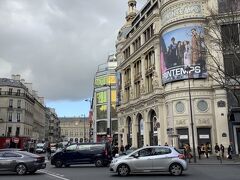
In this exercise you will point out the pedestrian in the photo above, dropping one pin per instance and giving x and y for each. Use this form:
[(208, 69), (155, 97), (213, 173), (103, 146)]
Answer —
[(127, 147), (229, 152), (166, 144), (188, 154), (222, 149), (49, 151), (217, 150), (199, 151), (206, 150), (121, 149)]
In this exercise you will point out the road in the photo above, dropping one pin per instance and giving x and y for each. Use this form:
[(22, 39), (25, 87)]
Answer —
[(90, 172)]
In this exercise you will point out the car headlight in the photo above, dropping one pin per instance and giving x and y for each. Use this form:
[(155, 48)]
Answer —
[(114, 161)]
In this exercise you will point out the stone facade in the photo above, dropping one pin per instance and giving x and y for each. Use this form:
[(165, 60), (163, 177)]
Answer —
[(160, 112), (22, 111), (73, 129)]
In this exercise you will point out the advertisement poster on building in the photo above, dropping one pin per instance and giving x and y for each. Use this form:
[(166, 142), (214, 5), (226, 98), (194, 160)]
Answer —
[(181, 48)]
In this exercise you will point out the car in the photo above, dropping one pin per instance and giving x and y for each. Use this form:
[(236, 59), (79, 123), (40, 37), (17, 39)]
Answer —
[(53, 147), (150, 159), (83, 153), (21, 162), (41, 148)]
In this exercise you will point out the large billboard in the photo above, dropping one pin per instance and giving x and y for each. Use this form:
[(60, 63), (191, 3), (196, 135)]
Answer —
[(181, 48)]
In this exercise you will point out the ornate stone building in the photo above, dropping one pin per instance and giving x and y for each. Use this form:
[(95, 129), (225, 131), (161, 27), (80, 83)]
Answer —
[(165, 92), (75, 129)]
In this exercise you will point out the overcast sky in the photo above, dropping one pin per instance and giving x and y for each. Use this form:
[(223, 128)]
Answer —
[(57, 44)]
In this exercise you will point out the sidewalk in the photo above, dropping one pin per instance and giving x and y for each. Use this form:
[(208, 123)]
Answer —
[(212, 160)]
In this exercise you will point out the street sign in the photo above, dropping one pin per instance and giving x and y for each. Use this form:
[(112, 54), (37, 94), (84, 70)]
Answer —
[(16, 140)]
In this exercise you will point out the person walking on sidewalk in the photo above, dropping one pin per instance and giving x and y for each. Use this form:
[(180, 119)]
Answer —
[(217, 151), (222, 149), (199, 151), (229, 152), (206, 150), (49, 151)]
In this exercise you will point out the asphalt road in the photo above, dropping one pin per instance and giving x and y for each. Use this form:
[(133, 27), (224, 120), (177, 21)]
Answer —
[(90, 172)]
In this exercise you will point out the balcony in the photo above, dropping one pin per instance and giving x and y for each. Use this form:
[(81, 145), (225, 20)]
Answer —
[(150, 70), (17, 94), (137, 76), (127, 83)]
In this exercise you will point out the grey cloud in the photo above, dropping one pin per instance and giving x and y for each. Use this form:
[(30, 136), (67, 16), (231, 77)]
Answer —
[(58, 44)]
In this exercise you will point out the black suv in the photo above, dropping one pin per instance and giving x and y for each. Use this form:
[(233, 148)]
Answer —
[(83, 153)]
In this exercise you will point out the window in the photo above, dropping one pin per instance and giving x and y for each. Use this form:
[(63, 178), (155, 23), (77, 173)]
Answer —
[(161, 151), (145, 152), (150, 59), (19, 103), (17, 131), (71, 147), (10, 154), (137, 43), (149, 81), (10, 103), (126, 53), (230, 35), (10, 91), (148, 33), (9, 131), (18, 92), (18, 117), (10, 116)]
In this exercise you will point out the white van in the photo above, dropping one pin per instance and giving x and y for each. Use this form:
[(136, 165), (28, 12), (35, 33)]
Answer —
[(41, 148)]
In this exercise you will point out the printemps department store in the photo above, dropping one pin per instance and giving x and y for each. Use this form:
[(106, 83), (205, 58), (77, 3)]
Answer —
[(161, 49)]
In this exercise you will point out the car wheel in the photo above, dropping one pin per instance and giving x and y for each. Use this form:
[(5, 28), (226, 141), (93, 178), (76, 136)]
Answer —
[(123, 170), (21, 169), (175, 169), (58, 163), (98, 163)]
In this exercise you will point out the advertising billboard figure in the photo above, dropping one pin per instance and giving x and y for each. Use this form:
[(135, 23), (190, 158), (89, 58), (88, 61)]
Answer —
[(181, 48)]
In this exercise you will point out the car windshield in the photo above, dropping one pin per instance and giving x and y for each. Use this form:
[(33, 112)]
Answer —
[(40, 145)]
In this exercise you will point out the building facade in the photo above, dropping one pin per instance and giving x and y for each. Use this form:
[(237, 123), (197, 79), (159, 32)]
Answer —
[(22, 112), (165, 94), (74, 129), (105, 124), (52, 123)]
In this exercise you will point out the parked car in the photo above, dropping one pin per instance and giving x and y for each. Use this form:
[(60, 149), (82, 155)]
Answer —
[(85, 153), (150, 159), (41, 148), (21, 162)]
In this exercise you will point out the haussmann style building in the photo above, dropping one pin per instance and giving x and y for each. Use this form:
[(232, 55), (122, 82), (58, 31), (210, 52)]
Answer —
[(165, 93)]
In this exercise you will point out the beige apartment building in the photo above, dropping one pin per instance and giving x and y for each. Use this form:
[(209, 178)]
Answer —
[(75, 129), (165, 94), (22, 111)]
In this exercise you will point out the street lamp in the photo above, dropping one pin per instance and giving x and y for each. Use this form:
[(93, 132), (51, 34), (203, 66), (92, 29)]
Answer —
[(188, 69)]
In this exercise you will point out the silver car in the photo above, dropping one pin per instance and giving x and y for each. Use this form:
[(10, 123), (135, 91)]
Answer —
[(150, 159), (21, 162)]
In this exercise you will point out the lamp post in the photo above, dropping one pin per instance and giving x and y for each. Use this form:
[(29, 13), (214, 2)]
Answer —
[(191, 114)]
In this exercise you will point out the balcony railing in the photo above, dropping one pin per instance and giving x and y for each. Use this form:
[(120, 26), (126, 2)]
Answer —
[(17, 94)]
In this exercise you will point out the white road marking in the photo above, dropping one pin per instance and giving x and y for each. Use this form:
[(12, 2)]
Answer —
[(59, 176)]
